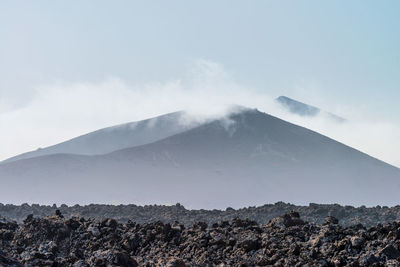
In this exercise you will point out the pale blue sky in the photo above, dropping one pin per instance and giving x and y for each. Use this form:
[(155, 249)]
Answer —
[(348, 49), (328, 53)]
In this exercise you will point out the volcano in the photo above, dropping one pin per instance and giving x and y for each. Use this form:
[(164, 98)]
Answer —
[(245, 158)]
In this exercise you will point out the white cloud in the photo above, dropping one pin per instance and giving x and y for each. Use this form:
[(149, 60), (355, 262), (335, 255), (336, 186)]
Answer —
[(64, 110)]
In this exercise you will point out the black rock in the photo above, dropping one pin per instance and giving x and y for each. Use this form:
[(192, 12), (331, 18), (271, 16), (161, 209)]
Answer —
[(285, 241), (331, 220), (58, 213), (8, 262), (390, 252)]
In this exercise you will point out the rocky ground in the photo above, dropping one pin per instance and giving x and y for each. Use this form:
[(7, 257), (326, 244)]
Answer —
[(284, 241), (316, 213)]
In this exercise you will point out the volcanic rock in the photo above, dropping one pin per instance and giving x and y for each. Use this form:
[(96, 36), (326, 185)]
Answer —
[(285, 241)]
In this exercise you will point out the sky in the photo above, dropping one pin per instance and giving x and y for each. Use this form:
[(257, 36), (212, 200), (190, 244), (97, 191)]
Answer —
[(70, 67)]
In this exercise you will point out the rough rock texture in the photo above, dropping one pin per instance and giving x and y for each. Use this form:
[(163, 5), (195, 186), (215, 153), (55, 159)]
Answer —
[(316, 213), (284, 241)]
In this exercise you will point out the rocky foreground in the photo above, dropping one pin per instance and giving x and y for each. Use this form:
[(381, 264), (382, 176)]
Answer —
[(315, 213), (284, 241)]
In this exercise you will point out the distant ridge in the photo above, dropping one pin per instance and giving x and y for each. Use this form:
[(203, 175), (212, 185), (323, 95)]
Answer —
[(117, 137), (305, 110)]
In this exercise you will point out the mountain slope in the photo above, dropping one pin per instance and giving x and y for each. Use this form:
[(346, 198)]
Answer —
[(248, 158), (302, 109), (117, 137)]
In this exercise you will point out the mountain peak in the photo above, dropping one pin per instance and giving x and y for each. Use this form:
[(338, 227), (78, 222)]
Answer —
[(305, 110), (298, 107)]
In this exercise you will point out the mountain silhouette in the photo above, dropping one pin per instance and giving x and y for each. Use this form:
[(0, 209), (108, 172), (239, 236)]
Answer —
[(245, 158)]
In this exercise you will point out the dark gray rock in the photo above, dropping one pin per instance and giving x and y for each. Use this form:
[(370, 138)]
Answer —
[(8, 262), (390, 252), (331, 220), (316, 213), (285, 241)]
